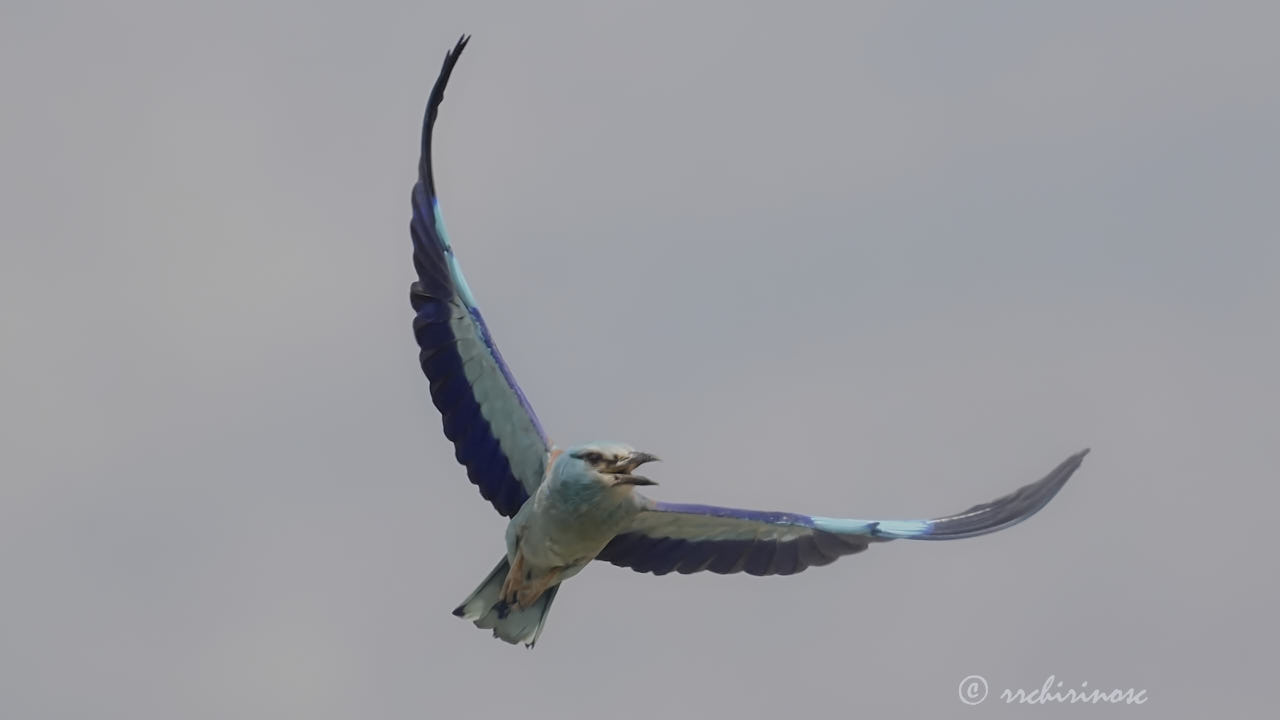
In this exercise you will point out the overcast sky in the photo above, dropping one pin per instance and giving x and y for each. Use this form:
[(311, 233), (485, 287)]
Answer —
[(875, 259)]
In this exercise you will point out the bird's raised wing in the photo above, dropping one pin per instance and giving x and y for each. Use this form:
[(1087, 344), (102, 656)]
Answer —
[(691, 538), (495, 433)]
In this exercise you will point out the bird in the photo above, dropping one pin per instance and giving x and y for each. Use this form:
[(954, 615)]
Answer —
[(569, 507)]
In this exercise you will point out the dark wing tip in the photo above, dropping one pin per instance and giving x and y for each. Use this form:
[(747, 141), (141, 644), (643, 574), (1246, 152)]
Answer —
[(1008, 510), (433, 107)]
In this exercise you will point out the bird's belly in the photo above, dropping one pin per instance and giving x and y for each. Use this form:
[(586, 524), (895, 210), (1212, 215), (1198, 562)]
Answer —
[(548, 548)]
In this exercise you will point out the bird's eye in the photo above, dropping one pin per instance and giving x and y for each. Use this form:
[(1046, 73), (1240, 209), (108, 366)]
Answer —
[(593, 457)]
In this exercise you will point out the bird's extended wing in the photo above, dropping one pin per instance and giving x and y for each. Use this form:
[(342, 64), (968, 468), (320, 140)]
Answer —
[(691, 538), (495, 433)]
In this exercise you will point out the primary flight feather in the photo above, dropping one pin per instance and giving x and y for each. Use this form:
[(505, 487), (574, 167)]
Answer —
[(570, 507)]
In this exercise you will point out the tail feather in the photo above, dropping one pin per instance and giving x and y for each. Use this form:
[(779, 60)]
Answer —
[(486, 609)]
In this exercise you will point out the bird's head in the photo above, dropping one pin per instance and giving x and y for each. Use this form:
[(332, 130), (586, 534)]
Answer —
[(613, 463)]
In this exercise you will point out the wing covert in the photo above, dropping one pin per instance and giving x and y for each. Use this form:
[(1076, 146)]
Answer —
[(495, 433)]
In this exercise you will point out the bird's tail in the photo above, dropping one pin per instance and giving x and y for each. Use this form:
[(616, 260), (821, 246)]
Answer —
[(486, 609)]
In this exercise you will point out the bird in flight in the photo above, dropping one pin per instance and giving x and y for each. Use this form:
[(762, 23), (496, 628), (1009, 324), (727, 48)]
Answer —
[(569, 507)]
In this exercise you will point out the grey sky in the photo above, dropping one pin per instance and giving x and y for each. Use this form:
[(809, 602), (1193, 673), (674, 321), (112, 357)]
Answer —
[(882, 261)]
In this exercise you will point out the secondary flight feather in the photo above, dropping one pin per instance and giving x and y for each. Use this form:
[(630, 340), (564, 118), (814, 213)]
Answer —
[(569, 507)]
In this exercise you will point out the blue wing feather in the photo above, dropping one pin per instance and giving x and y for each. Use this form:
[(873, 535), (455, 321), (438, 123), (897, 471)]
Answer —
[(495, 433), (691, 538)]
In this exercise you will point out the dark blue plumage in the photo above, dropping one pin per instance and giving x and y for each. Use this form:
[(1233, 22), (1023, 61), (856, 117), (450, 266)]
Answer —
[(689, 538), (661, 555), (504, 457)]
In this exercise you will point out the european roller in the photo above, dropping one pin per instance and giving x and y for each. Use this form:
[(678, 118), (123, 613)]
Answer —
[(572, 506)]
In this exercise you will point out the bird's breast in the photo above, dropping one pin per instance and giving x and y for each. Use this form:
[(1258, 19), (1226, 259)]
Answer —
[(572, 522)]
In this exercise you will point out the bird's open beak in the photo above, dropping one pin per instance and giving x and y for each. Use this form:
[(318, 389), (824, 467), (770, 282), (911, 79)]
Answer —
[(627, 477), (637, 459)]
